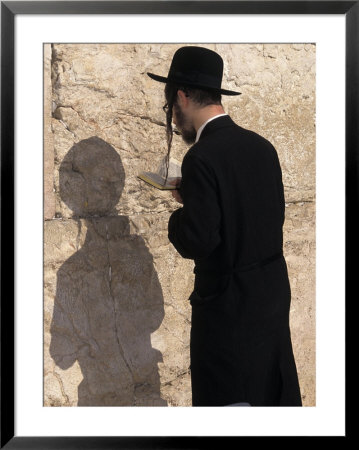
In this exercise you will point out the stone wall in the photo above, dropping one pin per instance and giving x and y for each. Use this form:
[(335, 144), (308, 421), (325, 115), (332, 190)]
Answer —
[(116, 311)]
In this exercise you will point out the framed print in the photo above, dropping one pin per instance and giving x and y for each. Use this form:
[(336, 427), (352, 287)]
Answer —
[(94, 299)]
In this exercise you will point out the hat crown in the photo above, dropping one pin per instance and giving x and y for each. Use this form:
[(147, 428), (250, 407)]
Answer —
[(197, 62)]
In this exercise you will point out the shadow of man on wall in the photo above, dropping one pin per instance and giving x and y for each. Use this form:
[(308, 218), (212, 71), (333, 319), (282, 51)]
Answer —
[(108, 297)]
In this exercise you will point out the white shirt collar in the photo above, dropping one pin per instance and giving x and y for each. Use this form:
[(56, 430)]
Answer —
[(200, 129)]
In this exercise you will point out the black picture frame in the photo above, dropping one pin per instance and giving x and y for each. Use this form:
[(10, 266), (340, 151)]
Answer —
[(9, 9)]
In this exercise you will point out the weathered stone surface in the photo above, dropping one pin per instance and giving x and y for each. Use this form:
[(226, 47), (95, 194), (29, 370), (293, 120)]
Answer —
[(299, 250), (116, 313), (49, 198)]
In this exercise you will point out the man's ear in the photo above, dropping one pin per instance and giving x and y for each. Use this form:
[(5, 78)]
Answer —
[(182, 98)]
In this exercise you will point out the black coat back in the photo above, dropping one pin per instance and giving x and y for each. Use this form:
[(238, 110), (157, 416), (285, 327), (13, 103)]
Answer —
[(231, 226)]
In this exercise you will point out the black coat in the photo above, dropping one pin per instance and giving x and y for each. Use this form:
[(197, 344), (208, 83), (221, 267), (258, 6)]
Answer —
[(231, 226)]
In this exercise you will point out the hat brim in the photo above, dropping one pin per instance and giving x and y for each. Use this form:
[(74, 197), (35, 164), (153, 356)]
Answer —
[(199, 86)]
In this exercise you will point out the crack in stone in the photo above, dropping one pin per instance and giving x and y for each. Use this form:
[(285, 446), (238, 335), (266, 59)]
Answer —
[(267, 55), (179, 312), (79, 225), (67, 127), (142, 117), (288, 186), (121, 350), (294, 202), (172, 334), (165, 212), (156, 122), (121, 113), (180, 375), (95, 89), (92, 124), (67, 401), (59, 105)]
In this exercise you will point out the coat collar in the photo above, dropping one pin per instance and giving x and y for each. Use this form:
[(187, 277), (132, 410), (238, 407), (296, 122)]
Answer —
[(216, 124), (200, 129)]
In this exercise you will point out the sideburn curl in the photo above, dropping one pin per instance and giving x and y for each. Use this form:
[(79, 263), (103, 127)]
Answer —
[(170, 95)]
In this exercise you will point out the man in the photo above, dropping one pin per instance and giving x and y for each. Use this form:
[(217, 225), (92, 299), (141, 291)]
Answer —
[(230, 224)]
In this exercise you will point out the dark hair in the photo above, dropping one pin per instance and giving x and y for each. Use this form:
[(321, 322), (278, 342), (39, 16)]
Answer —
[(200, 96)]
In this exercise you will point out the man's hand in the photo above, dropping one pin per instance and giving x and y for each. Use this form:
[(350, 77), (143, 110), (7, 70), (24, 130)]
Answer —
[(175, 193)]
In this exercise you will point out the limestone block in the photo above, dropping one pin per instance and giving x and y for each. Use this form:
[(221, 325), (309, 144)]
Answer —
[(49, 199), (299, 250)]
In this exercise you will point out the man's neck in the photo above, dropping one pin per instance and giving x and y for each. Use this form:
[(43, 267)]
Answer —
[(206, 113)]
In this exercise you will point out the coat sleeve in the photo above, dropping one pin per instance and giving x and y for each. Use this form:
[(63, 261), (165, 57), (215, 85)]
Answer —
[(194, 229), (280, 186)]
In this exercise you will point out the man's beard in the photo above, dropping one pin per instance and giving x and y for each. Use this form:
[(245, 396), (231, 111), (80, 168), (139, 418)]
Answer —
[(187, 130)]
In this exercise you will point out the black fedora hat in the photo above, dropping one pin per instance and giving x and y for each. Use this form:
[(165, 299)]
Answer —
[(196, 67)]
